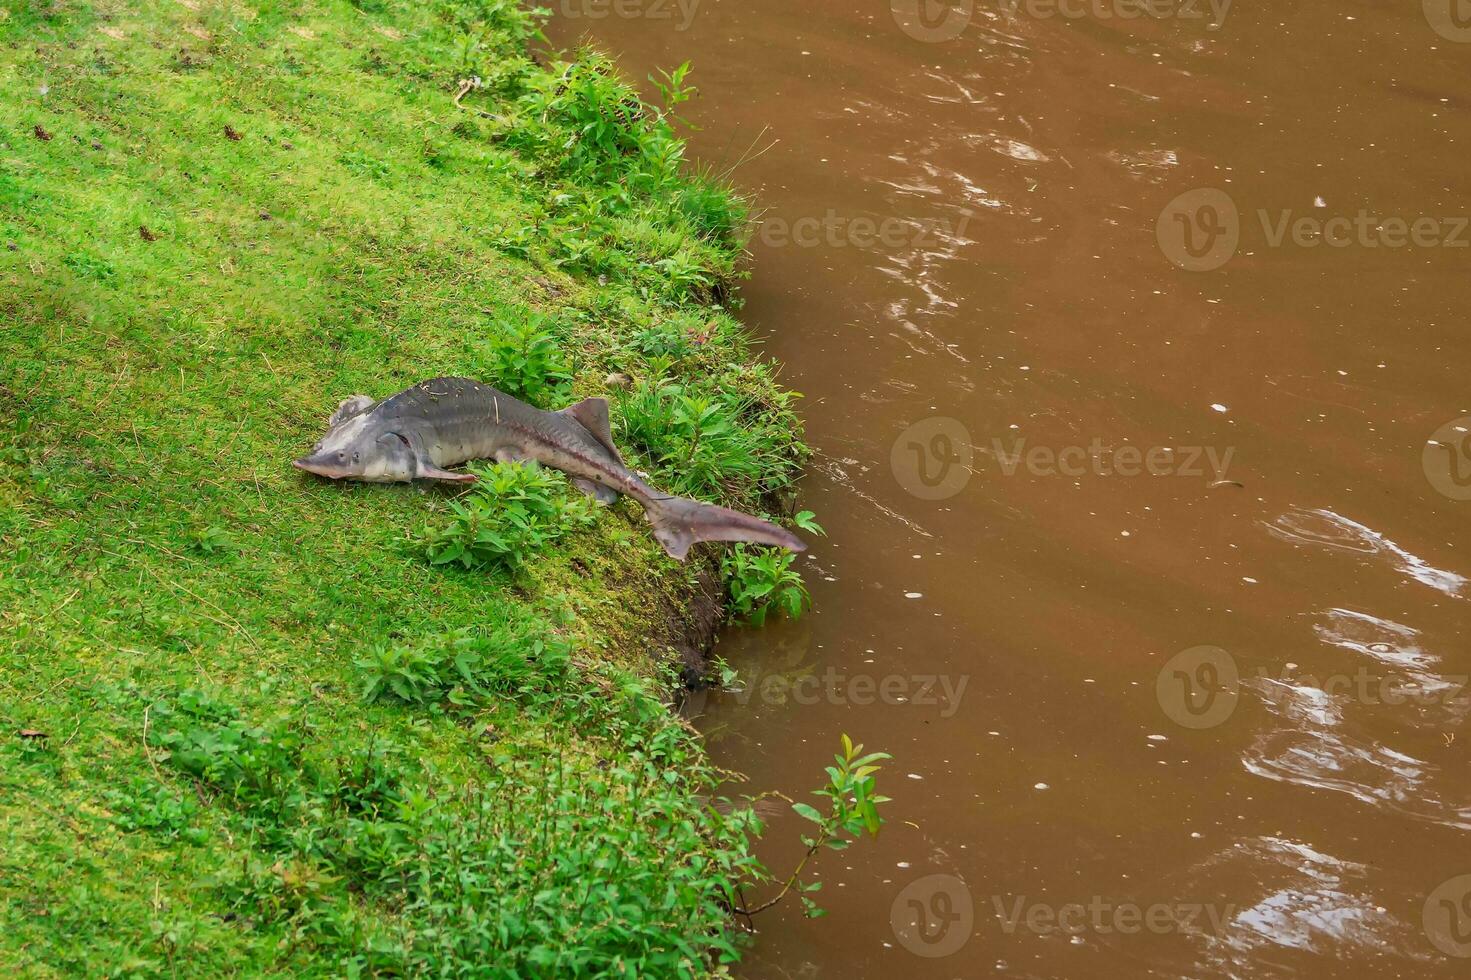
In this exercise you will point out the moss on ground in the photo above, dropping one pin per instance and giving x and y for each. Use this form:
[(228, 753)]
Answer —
[(217, 220)]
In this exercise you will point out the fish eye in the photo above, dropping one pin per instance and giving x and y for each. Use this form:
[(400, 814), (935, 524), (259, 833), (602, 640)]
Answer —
[(356, 457)]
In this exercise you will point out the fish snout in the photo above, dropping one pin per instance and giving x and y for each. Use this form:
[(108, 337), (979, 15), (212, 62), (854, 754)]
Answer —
[(333, 466)]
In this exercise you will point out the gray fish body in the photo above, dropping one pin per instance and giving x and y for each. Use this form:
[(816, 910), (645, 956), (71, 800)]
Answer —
[(450, 421), (422, 431)]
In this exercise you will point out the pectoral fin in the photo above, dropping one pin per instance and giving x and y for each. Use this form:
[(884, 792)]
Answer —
[(429, 471), (600, 493)]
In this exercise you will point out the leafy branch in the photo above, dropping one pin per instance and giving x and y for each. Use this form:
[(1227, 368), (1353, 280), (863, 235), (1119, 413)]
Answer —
[(852, 808)]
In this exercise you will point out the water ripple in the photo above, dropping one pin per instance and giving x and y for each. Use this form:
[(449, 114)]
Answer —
[(1324, 528), (1308, 901)]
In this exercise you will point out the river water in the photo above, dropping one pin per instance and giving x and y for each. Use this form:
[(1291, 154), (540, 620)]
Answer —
[(1136, 360)]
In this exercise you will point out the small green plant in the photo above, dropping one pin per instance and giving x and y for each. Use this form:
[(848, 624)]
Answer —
[(673, 90), (516, 239), (705, 443), (161, 809), (721, 674), (294, 893), (213, 540), (761, 580), (362, 165), (524, 359), (663, 341), (90, 267), (256, 763), (603, 115), (464, 667), (686, 276), (574, 252), (850, 810), (410, 673), (714, 210), (514, 512)]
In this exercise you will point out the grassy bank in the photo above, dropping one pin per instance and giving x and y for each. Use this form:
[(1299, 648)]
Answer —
[(249, 727)]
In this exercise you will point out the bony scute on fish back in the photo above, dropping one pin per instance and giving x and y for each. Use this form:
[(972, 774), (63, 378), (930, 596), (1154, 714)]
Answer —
[(442, 422)]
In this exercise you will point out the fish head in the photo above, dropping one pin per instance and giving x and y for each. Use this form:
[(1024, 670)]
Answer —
[(359, 449)]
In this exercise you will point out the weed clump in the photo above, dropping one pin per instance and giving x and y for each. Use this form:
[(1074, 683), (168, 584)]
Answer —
[(624, 208), (512, 515), (706, 439), (760, 581), (465, 667), (525, 360)]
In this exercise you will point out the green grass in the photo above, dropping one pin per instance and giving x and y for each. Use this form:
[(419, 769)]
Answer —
[(278, 741)]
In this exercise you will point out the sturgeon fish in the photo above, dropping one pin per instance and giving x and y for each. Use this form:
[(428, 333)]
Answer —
[(419, 432)]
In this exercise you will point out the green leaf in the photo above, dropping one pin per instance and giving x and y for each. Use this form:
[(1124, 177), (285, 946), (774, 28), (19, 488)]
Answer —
[(452, 553)]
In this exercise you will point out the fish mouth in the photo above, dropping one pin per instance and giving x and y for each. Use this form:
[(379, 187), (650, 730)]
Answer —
[(318, 468)]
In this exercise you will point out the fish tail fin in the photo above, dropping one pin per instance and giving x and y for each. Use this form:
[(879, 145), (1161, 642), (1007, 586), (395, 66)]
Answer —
[(680, 522)]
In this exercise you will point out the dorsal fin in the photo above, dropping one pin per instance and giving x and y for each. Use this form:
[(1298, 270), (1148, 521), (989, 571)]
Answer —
[(356, 405), (592, 415)]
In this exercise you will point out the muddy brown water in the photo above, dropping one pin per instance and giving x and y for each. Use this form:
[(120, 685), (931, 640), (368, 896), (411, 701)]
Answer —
[(1147, 506)]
